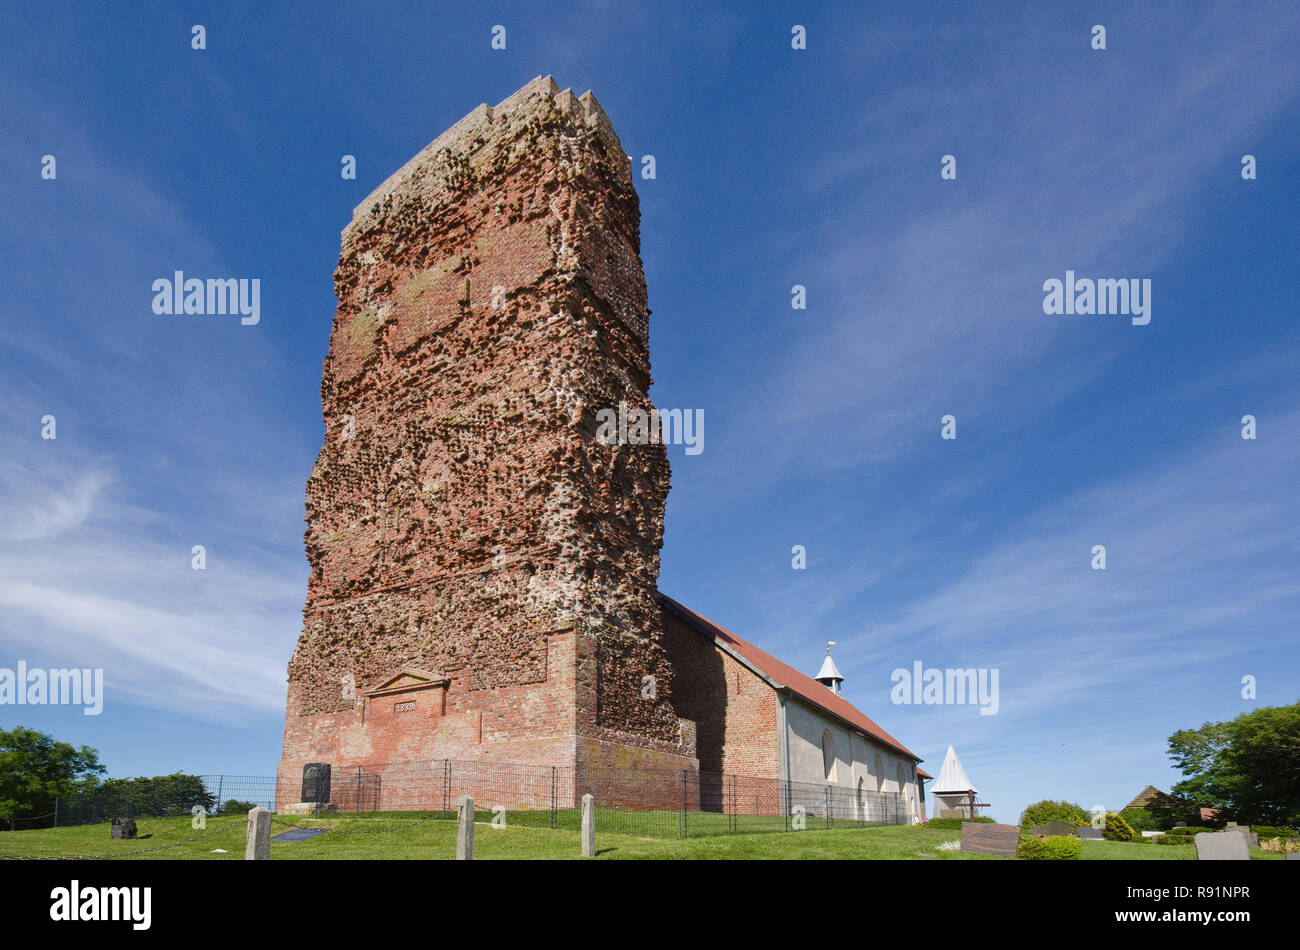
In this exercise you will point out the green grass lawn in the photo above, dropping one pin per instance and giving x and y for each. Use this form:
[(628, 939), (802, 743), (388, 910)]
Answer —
[(404, 836)]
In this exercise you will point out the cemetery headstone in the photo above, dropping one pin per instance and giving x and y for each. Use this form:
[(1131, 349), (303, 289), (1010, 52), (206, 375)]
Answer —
[(1252, 837), (987, 838), (1089, 833), (123, 828), (1059, 828), (1223, 846)]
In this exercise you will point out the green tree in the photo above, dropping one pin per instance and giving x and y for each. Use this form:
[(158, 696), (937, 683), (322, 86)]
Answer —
[(156, 797), (234, 806), (1248, 767), (35, 769), (1040, 813)]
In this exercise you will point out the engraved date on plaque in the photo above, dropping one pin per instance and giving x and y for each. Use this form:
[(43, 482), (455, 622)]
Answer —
[(404, 707)]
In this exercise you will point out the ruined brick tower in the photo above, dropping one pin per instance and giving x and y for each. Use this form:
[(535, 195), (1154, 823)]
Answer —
[(484, 569)]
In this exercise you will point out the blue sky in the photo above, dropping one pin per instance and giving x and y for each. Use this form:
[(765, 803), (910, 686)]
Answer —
[(774, 167)]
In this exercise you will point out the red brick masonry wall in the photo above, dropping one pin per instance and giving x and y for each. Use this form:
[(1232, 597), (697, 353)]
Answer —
[(462, 517)]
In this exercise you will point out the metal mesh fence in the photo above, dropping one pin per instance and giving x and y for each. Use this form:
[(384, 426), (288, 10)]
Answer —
[(648, 802)]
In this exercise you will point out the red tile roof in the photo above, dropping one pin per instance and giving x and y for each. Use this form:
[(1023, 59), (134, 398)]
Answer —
[(783, 675)]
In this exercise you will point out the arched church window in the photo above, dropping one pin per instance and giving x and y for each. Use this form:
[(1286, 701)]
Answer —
[(828, 754)]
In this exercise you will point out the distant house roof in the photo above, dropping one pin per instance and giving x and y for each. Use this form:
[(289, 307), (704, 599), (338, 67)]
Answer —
[(783, 676), (1150, 797), (952, 777)]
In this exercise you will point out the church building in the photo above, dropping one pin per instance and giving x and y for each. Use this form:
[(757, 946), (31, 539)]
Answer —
[(484, 565)]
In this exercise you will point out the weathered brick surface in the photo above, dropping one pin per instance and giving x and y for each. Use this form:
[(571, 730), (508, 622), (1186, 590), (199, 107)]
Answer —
[(734, 711), (462, 516)]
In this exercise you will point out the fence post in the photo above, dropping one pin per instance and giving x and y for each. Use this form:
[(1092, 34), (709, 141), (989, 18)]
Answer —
[(827, 806), (465, 829), (358, 805), (257, 846), (56, 810), (681, 808), (553, 816), (588, 826), (446, 784)]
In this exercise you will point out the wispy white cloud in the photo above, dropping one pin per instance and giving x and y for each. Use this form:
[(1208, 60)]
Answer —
[(90, 578)]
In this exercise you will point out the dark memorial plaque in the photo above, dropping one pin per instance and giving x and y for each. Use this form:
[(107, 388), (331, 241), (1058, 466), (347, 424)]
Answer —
[(1088, 833), (984, 838), (316, 782), (299, 834)]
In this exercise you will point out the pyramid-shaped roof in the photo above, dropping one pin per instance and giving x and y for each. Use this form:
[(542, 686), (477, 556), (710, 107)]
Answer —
[(952, 777), (828, 670)]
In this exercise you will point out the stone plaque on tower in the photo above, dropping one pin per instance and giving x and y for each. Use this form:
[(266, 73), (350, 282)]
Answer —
[(316, 782)]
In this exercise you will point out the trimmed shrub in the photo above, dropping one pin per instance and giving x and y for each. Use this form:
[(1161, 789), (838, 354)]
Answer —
[(1186, 832), (1052, 848), (1117, 829), (1269, 831), (1040, 813), (1151, 819), (1175, 839)]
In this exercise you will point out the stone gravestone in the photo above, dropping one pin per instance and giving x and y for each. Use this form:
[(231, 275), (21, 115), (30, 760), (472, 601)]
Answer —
[(1252, 837), (951, 813), (1038, 829), (1059, 828), (123, 828), (1088, 833), (1293, 856), (986, 838), (1223, 846), (1180, 824)]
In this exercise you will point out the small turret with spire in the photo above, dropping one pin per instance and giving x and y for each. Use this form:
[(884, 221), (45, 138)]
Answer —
[(829, 676)]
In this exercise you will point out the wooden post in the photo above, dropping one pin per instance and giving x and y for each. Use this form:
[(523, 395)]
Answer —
[(588, 826), (465, 829), (257, 847)]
